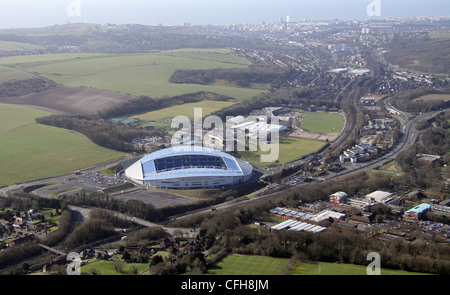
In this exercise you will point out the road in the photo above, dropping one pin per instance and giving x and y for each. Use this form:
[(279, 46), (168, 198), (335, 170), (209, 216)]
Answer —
[(63, 182), (407, 139), (84, 212)]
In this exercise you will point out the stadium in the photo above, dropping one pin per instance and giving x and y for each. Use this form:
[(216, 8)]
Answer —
[(186, 167)]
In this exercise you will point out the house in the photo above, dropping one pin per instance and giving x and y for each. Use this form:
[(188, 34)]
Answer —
[(33, 213), (358, 153), (167, 242), (19, 223)]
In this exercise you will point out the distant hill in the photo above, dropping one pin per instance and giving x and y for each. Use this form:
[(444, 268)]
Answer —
[(424, 54), (130, 38)]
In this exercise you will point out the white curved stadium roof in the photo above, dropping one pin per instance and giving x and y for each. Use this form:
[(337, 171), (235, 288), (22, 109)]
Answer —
[(187, 161)]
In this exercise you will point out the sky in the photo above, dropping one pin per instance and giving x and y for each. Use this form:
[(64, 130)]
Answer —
[(40, 13)]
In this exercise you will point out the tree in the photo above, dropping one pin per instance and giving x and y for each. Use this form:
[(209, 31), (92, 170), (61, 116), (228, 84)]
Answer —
[(25, 267), (134, 270), (126, 256), (118, 266), (156, 259)]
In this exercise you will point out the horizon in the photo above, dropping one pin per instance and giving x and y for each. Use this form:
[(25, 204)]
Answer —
[(45, 13), (214, 25)]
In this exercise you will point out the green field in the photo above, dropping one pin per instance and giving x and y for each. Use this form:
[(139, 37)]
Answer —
[(248, 265), (107, 267), (321, 122), (439, 35), (135, 74), (30, 151), (262, 265), (324, 268), (16, 46), (8, 73), (187, 109), (290, 149)]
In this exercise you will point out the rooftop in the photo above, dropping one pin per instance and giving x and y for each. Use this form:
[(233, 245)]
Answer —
[(419, 208), (378, 196)]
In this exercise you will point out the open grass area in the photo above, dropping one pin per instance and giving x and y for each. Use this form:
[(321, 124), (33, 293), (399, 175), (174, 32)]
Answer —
[(324, 268), (263, 265), (16, 46), (439, 35), (248, 265), (320, 122), (135, 74), (187, 109), (290, 149), (104, 267), (31, 151), (8, 74), (390, 169)]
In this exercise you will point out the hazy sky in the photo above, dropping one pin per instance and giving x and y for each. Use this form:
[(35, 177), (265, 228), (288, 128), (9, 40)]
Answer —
[(38, 13)]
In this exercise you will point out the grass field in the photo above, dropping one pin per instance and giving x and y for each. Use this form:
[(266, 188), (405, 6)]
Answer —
[(7, 74), (248, 265), (321, 122), (16, 46), (289, 150), (324, 268), (187, 109), (107, 267), (30, 151), (135, 74), (389, 169), (263, 265), (439, 35)]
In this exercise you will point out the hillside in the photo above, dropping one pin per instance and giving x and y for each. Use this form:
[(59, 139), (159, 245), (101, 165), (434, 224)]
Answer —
[(423, 54)]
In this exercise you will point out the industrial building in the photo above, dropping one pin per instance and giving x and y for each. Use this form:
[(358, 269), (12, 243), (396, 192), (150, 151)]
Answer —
[(298, 226), (187, 167), (417, 212), (379, 196)]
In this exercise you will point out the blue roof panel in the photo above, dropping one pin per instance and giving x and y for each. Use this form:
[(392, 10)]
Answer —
[(420, 208)]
